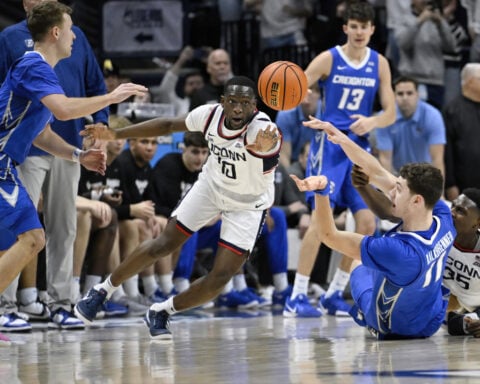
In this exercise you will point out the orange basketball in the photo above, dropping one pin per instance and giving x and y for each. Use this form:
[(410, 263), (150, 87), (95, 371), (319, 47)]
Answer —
[(282, 85)]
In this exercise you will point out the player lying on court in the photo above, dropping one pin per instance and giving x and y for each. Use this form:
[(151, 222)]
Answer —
[(460, 275), (236, 182), (397, 290)]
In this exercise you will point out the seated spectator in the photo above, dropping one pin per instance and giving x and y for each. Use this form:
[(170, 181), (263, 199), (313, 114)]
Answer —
[(418, 133)]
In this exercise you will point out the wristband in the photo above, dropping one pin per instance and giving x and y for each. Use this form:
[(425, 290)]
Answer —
[(76, 155), (324, 192)]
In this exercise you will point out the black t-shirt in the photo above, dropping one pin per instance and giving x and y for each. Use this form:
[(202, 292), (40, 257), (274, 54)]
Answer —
[(170, 181)]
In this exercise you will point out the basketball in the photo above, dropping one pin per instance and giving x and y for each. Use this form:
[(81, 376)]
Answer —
[(282, 85)]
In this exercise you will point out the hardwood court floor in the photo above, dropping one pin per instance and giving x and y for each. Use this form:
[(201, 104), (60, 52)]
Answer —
[(235, 347)]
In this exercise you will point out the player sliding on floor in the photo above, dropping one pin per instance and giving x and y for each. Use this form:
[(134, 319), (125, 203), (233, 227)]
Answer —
[(397, 289)]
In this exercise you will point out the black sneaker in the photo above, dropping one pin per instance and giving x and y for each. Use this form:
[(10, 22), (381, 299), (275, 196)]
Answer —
[(158, 323)]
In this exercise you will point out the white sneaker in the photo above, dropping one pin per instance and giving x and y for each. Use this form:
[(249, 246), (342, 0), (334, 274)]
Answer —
[(12, 322), (36, 310), (62, 319)]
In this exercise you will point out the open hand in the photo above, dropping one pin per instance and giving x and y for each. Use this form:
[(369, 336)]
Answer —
[(125, 90), (265, 141), (96, 132), (94, 160), (334, 135), (473, 326), (359, 178), (311, 183)]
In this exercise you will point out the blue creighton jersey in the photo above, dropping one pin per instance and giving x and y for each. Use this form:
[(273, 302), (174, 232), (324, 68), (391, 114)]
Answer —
[(407, 269), (350, 88), (23, 116)]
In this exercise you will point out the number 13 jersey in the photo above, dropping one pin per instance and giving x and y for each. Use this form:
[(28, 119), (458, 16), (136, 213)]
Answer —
[(350, 88)]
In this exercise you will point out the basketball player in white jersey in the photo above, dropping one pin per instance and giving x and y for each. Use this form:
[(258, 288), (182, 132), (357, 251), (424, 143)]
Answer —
[(236, 182), (462, 271)]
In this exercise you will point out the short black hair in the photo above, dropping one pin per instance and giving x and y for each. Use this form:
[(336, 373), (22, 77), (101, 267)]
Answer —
[(241, 80), (473, 194), (195, 139), (405, 79), (361, 11)]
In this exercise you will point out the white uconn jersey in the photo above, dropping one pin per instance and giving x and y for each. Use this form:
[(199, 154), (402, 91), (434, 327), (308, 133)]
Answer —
[(462, 276), (239, 175)]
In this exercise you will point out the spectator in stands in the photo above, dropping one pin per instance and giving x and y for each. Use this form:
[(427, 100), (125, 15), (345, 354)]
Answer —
[(219, 70), (473, 13), (462, 120), (282, 22), (418, 133), (192, 81), (422, 37)]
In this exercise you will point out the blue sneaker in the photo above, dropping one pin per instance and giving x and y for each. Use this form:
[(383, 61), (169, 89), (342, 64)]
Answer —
[(234, 299), (13, 322), (62, 319), (249, 293), (280, 297), (159, 297), (300, 307), (334, 305), (158, 323), (112, 309), (87, 307)]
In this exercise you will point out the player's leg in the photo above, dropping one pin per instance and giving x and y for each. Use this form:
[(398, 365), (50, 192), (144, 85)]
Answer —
[(60, 216), (297, 305), (142, 257), (277, 252), (239, 231)]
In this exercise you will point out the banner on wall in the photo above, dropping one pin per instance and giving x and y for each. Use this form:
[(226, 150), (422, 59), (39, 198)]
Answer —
[(142, 26)]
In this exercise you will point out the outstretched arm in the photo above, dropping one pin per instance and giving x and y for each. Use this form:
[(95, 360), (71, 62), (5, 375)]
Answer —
[(344, 242), (379, 176), (155, 127), (67, 108)]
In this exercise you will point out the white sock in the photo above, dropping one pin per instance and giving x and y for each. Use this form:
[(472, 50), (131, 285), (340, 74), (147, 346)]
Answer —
[(149, 285), (280, 281), (181, 284), (239, 282), (339, 282), (27, 295), (300, 285), (118, 294), (107, 286), (228, 287), (166, 305), (131, 286), (76, 292), (165, 282), (90, 281)]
